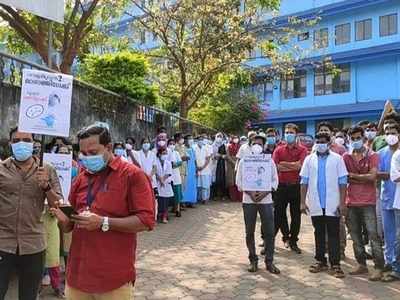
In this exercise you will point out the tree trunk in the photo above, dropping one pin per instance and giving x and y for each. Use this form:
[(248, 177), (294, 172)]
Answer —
[(183, 112)]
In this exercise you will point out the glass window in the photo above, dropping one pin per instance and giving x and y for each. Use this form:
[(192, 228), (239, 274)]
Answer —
[(269, 91), (321, 38), (342, 34), (326, 83), (294, 86), (303, 36), (388, 25), (364, 30)]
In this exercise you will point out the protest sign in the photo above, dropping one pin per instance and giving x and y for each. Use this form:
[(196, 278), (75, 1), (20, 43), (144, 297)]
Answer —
[(48, 9), (63, 165), (257, 173), (45, 106)]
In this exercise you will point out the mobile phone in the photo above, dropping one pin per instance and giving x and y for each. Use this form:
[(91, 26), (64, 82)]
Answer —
[(68, 211)]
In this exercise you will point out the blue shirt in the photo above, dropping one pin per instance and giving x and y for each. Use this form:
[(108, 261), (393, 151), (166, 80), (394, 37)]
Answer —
[(388, 187), (321, 180)]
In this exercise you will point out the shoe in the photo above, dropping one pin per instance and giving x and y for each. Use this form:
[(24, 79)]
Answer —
[(272, 269), (390, 277), (295, 248), (376, 275), (337, 272), (46, 280), (318, 267), (203, 202), (262, 252), (178, 214), (253, 267), (287, 244), (165, 221), (359, 270)]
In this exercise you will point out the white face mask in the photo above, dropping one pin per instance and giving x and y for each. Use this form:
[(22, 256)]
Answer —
[(128, 147), (171, 147), (161, 143), (218, 139), (391, 139), (235, 140), (181, 142), (256, 149), (339, 141)]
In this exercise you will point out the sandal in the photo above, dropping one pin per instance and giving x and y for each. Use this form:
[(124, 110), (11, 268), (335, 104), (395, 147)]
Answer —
[(318, 267), (337, 272)]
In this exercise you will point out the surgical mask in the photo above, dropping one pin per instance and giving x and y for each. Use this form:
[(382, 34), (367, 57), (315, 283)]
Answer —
[(161, 143), (200, 142), (218, 140), (271, 140), (235, 141), (22, 151), (164, 157), (146, 146), (256, 149), (357, 145), (181, 141), (370, 135), (171, 147), (391, 139), (290, 138), (339, 141), (74, 172), (128, 147), (321, 148), (93, 163), (119, 152), (191, 142)]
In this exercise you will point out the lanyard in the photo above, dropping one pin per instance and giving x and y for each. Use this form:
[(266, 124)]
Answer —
[(101, 187)]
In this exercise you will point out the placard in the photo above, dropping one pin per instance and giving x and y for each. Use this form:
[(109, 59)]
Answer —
[(45, 106), (63, 165), (257, 173), (48, 9)]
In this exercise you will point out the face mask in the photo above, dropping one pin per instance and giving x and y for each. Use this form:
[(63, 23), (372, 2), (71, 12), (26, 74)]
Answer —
[(357, 145), (74, 172), (271, 140), (256, 149), (218, 140), (164, 157), (128, 147), (370, 135), (190, 142), (235, 141), (161, 143), (93, 163), (391, 139), (22, 150), (290, 138), (321, 148), (171, 147), (119, 152), (200, 142), (339, 141), (181, 141), (146, 146)]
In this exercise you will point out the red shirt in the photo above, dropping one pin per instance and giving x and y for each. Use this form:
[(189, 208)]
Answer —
[(361, 194), (339, 149), (98, 261), (288, 153)]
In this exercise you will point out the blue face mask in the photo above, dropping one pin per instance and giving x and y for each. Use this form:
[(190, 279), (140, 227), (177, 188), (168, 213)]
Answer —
[(119, 152), (290, 138), (146, 146), (74, 172), (357, 145), (94, 163), (271, 140), (321, 148), (22, 151)]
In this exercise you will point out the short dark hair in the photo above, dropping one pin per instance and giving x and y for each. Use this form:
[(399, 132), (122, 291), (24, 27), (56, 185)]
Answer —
[(270, 130), (259, 137), (170, 140), (363, 123), (162, 129), (118, 144), (392, 116), (323, 136), (292, 126), (177, 136), (130, 138), (372, 125), (355, 129), (395, 126), (325, 124), (15, 130), (102, 132), (186, 137), (144, 139)]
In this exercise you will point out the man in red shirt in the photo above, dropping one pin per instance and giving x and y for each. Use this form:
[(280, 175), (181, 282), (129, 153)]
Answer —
[(362, 165), (113, 200), (289, 158)]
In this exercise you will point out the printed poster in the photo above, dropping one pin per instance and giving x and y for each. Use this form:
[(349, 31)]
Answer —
[(257, 173), (63, 165), (45, 106)]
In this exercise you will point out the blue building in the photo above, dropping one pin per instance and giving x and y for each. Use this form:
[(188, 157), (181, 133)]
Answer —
[(362, 39)]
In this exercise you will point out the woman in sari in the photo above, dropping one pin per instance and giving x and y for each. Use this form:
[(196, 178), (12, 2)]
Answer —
[(233, 149)]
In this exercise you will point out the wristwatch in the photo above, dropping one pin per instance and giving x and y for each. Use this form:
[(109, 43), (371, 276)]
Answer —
[(106, 225)]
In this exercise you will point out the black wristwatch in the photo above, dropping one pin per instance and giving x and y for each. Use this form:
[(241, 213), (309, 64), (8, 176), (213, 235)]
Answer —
[(48, 188)]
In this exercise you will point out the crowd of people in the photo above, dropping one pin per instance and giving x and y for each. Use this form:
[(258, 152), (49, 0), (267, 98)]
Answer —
[(346, 182)]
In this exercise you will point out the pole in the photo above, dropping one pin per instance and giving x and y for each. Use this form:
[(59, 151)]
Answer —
[(49, 64)]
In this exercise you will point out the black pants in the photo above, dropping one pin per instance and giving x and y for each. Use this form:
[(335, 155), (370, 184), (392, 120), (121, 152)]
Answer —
[(327, 226), (288, 194), (29, 269)]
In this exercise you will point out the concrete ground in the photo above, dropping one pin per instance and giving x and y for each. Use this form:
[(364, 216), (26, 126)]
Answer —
[(203, 256)]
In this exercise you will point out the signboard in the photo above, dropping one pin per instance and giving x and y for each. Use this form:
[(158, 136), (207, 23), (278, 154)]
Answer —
[(63, 165), (45, 106), (48, 9), (257, 173)]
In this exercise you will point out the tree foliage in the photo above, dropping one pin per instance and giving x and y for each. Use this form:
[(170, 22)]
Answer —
[(124, 73), (81, 32)]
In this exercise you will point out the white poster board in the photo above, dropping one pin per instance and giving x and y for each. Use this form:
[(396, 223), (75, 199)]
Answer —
[(63, 165), (257, 173), (48, 9), (45, 106)]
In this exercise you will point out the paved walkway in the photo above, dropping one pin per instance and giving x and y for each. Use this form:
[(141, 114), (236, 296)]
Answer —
[(203, 256)]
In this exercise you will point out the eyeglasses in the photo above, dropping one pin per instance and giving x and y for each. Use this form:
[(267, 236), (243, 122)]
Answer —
[(26, 140)]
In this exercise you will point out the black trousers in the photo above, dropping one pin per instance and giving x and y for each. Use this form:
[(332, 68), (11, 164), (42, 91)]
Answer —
[(288, 194), (327, 226), (29, 269)]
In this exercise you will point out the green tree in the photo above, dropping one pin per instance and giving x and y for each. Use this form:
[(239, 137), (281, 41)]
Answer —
[(81, 32), (124, 73)]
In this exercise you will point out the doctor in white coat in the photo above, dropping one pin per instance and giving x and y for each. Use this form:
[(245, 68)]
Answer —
[(323, 189)]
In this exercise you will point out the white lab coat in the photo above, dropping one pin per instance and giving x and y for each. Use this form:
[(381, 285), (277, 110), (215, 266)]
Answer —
[(395, 175), (162, 170)]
